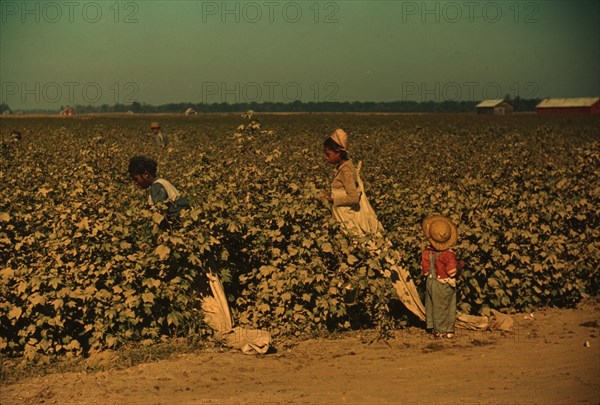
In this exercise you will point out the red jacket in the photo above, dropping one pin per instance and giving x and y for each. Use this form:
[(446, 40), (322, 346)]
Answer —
[(445, 264)]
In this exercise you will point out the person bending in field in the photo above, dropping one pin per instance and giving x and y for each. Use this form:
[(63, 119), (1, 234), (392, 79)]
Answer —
[(213, 299), (442, 269), (143, 171)]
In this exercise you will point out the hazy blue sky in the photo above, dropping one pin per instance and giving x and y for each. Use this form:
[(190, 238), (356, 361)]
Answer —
[(55, 53)]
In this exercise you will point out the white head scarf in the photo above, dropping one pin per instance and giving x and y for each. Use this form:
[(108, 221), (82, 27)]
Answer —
[(340, 137)]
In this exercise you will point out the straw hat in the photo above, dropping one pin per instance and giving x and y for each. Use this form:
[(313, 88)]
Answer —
[(340, 137), (154, 125), (440, 231)]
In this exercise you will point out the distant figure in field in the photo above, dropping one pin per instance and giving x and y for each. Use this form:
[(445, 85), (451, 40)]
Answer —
[(15, 136), (159, 138), (8, 146)]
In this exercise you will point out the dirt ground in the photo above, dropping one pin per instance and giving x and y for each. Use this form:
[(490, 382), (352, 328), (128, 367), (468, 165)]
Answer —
[(551, 357)]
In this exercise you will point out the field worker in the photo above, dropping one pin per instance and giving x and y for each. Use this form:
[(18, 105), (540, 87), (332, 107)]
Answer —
[(352, 209), (144, 172), (346, 188), (442, 268), (216, 313), (15, 136), (160, 138)]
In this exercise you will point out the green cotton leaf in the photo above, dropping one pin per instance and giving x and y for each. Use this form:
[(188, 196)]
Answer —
[(162, 251), (15, 313), (292, 251), (148, 297), (110, 341), (267, 270), (352, 259), (193, 259), (37, 299), (157, 218), (58, 303), (7, 273), (233, 227), (54, 282), (174, 318)]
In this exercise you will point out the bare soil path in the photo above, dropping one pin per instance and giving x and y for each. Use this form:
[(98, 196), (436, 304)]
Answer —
[(552, 357)]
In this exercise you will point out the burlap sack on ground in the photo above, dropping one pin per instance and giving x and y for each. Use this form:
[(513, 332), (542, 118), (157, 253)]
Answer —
[(218, 317), (472, 322), (497, 321), (501, 321)]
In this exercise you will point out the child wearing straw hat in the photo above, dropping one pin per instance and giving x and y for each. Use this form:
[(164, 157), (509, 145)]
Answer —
[(441, 267)]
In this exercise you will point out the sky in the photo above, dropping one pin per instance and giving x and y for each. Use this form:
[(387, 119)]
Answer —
[(57, 53)]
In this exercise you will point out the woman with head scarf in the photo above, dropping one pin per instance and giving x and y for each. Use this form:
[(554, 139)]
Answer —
[(352, 209), (349, 203)]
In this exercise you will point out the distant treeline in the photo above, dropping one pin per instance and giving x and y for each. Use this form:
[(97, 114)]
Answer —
[(519, 105)]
